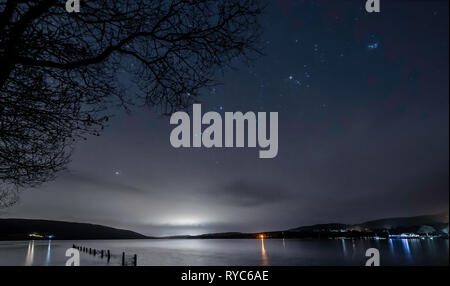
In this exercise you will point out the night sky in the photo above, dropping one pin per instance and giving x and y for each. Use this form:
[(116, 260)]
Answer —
[(363, 133)]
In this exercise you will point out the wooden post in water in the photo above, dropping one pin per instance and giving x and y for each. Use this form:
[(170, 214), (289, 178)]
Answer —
[(123, 258), (135, 260)]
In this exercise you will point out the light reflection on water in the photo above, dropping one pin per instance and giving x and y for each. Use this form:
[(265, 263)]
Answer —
[(264, 260), (406, 249), (47, 259), (344, 247), (30, 254), (238, 252), (391, 246)]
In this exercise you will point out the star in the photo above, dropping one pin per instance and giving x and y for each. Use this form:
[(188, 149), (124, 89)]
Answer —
[(373, 46)]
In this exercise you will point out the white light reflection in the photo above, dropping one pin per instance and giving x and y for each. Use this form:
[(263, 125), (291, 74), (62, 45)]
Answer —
[(47, 259), (30, 254)]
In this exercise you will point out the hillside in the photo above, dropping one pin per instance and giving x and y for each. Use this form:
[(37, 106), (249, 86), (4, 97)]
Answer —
[(425, 225), (20, 229), (320, 227), (406, 222)]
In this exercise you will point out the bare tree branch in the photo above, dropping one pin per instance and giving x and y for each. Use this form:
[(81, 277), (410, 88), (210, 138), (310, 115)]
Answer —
[(9, 195), (59, 71)]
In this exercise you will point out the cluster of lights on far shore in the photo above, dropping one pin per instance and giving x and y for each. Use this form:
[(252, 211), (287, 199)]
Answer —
[(40, 236)]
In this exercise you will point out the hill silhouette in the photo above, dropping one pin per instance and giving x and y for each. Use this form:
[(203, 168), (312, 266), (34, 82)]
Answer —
[(20, 229), (390, 223)]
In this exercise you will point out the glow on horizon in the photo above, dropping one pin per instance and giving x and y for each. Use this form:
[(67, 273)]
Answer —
[(184, 221)]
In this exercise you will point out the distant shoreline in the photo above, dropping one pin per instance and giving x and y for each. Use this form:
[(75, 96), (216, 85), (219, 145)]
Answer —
[(430, 226), (318, 239)]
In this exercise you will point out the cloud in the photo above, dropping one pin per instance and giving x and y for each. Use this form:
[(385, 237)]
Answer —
[(99, 183), (247, 193)]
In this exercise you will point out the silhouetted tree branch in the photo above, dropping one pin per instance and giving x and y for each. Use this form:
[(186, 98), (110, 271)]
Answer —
[(9, 195), (60, 71)]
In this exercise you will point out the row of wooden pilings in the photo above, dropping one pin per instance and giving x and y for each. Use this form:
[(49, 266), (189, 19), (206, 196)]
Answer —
[(104, 254)]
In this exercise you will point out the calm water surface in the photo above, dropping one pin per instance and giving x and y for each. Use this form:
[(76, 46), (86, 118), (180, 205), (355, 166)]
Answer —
[(232, 252)]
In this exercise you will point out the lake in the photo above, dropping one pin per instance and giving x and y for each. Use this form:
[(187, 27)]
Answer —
[(231, 252)]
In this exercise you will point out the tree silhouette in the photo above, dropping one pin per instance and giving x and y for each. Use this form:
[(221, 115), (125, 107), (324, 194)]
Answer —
[(60, 71), (8, 195)]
